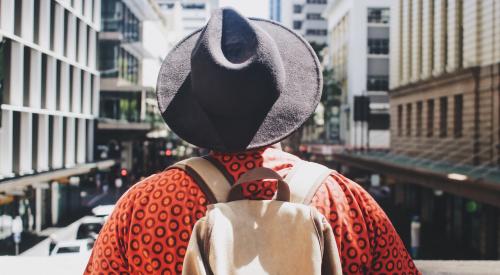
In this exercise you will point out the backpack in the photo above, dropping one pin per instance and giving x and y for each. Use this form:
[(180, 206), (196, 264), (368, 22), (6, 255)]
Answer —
[(280, 236)]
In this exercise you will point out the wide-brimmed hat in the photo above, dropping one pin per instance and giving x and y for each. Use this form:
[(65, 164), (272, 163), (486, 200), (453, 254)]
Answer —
[(238, 83)]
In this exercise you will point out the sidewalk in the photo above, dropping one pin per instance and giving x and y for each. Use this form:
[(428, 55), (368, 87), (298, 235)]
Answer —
[(63, 265), (459, 267)]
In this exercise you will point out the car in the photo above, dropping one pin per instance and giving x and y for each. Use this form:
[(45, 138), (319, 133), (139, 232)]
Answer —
[(103, 210), (75, 247), (89, 227)]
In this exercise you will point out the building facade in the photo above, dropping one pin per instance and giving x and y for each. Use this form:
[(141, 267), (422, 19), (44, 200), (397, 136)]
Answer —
[(133, 43), (444, 162), (191, 15), (445, 112), (445, 81), (304, 17), (275, 10), (49, 98), (358, 54)]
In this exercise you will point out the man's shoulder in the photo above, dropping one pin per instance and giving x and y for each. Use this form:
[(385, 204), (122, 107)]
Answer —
[(158, 186), (166, 180)]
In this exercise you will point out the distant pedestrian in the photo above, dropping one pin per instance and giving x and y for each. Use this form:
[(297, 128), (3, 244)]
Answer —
[(238, 87), (415, 236)]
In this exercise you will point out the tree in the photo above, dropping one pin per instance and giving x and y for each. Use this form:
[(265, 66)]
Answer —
[(329, 98)]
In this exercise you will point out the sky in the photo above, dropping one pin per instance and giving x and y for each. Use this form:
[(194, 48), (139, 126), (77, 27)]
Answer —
[(249, 8)]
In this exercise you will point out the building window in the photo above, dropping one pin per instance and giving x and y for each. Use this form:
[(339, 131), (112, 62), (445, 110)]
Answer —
[(123, 106), (194, 6), (34, 141), (4, 66), (378, 46), (379, 121), (50, 148), (43, 86), (16, 142), (275, 10), (109, 53), (130, 27), (92, 10), (116, 17), (297, 25), (316, 1), (167, 6), (378, 15), (408, 119), (111, 15), (297, 8), (458, 116), (26, 76), (377, 83), (430, 117), (18, 17), (420, 107), (36, 22), (400, 120), (66, 33), (129, 67), (52, 26), (443, 118), (58, 85), (314, 16), (319, 32), (116, 62)]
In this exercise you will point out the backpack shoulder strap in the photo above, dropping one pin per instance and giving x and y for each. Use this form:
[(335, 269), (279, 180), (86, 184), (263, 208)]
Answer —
[(208, 177), (305, 179)]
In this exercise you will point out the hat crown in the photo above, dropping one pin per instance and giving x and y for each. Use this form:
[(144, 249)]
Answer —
[(237, 62), (238, 83)]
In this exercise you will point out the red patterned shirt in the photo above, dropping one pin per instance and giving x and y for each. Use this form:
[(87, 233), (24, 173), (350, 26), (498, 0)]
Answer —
[(149, 230)]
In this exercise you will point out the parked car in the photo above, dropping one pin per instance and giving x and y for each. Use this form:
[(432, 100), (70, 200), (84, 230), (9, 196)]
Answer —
[(103, 210), (89, 228), (76, 247)]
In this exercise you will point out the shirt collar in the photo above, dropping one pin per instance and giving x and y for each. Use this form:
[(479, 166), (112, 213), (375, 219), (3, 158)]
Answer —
[(238, 163)]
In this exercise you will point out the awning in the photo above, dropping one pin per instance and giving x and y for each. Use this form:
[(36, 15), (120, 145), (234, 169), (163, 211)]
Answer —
[(475, 182), (21, 182)]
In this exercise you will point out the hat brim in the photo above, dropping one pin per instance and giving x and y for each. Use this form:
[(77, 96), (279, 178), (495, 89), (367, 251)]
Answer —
[(187, 118)]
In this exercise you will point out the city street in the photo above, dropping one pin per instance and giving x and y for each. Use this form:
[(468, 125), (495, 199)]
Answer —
[(396, 102)]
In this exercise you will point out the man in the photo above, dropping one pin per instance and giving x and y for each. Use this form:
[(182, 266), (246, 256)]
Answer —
[(238, 87)]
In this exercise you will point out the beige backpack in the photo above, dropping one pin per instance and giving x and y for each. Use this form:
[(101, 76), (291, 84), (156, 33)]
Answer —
[(281, 236)]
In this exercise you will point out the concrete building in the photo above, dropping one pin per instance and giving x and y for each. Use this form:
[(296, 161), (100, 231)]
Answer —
[(49, 95), (444, 162), (303, 16), (133, 42), (358, 53), (191, 14)]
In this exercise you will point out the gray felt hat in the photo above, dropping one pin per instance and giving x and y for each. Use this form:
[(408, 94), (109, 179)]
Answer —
[(238, 83)]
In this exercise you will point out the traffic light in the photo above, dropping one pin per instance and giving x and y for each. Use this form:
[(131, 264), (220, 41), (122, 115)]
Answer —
[(124, 172)]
